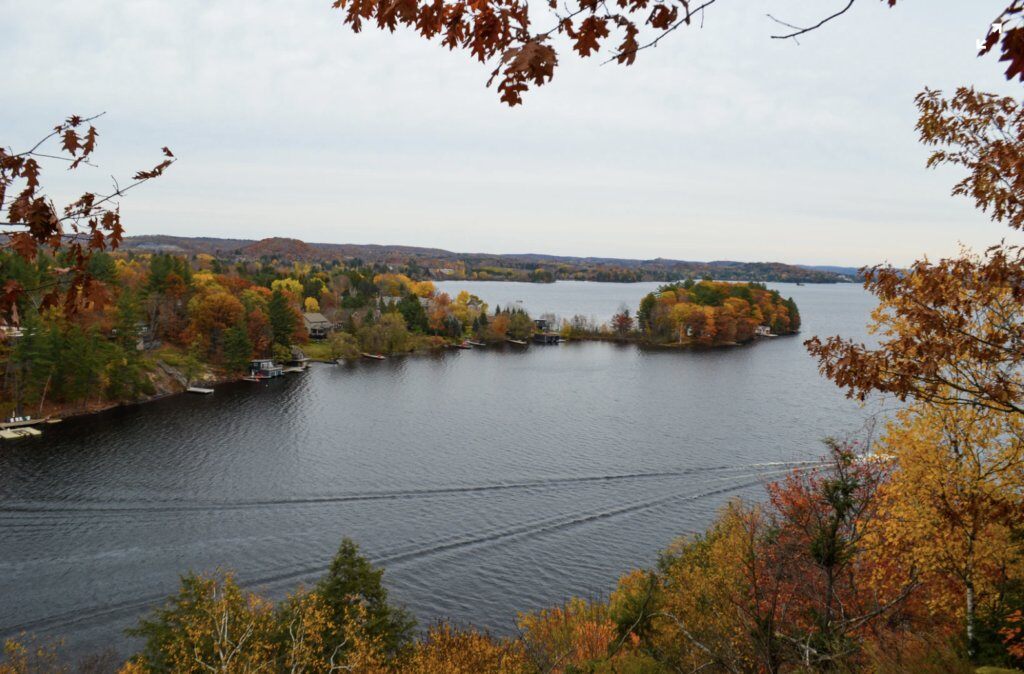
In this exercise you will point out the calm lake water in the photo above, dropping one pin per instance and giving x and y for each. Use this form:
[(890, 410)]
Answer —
[(487, 482)]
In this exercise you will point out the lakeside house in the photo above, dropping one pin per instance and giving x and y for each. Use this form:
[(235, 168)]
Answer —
[(763, 331), (317, 325)]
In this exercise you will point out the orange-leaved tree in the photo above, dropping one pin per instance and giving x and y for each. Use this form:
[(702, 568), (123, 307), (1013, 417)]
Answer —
[(503, 32), (950, 332), (72, 233)]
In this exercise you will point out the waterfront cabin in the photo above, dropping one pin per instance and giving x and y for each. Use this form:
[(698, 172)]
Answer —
[(763, 331), (541, 324), (317, 325), (546, 338), (265, 368), (299, 358)]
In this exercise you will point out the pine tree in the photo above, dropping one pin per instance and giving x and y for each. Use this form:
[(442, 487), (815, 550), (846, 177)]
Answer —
[(282, 319), (350, 580), (237, 348)]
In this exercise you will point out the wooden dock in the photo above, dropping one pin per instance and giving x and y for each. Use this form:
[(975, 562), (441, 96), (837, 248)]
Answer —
[(18, 422), (199, 389), (20, 432)]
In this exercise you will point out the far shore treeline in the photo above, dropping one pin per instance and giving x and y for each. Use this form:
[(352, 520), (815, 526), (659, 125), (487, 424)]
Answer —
[(156, 323)]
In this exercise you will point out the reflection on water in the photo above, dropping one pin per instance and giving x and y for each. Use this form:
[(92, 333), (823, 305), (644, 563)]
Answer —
[(487, 481)]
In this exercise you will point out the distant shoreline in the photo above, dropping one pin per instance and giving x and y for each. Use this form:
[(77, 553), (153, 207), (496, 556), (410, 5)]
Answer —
[(439, 265)]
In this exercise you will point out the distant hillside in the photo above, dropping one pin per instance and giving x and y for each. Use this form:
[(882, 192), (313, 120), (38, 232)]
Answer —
[(853, 272), (438, 263)]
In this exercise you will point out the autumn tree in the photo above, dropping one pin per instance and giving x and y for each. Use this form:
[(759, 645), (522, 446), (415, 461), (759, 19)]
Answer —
[(454, 651), (212, 625), (572, 637), (954, 507), (74, 232), (783, 586), (212, 312), (622, 322), (503, 32), (949, 331)]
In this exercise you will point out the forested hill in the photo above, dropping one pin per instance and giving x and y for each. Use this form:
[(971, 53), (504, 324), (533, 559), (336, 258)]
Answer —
[(440, 264)]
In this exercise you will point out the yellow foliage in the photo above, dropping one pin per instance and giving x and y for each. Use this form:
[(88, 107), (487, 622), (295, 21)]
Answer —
[(701, 590), (453, 651), (572, 635), (954, 497), (423, 288), (393, 284), (204, 279), (287, 285), (31, 658), (311, 305)]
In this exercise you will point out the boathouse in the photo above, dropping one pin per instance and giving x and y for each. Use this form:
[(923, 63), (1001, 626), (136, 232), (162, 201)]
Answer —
[(265, 368), (546, 338)]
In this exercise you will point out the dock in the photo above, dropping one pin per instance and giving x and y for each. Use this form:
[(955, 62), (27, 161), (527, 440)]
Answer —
[(20, 432), (546, 338), (476, 344), (199, 389), (18, 422), (516, 341)]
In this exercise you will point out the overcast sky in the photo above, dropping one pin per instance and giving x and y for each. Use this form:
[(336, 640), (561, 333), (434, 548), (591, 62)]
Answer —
[(719, 144)]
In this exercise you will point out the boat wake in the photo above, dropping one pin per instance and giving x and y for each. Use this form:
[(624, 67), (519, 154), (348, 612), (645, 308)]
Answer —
[(179, 505), (407, 553)]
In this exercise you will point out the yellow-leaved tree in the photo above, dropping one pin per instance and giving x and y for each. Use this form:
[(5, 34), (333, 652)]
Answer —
[(952, 504)]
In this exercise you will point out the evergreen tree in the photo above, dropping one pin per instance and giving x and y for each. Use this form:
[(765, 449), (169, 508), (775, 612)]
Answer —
[(125, 375), (237, 348), (352, 579), (282, 319), (413, 312)]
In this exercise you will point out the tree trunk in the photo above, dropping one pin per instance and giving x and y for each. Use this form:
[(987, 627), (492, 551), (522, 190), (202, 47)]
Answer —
[(972, 645), (42, 398)]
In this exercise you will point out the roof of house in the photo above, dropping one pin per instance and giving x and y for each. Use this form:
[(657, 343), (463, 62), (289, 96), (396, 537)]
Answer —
[(314, 318)]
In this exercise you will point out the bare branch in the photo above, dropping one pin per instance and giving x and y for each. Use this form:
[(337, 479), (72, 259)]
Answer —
[(797, 30)]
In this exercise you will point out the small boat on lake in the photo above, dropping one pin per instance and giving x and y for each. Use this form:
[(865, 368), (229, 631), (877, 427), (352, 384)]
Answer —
[(516, 341), (463, 345), (472, 343), (199, 389), (373, 356)]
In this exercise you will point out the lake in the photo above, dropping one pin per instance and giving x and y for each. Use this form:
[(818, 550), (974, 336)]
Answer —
[(486, 482)]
